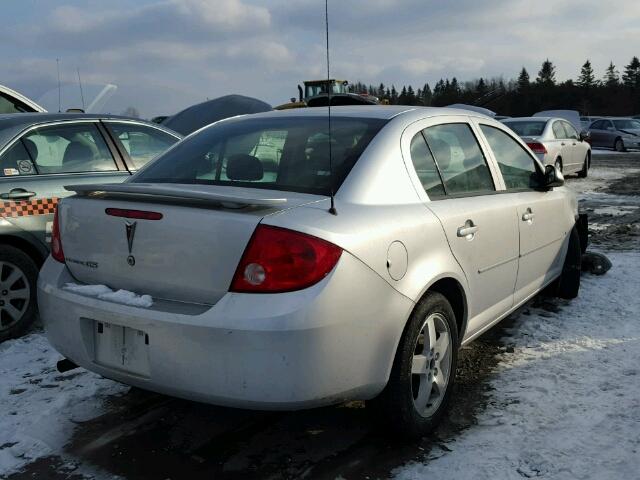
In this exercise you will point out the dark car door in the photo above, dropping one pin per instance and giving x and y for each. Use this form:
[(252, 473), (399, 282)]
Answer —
[(36, 167), (139, 143)]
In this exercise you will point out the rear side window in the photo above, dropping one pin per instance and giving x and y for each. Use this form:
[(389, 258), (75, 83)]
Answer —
[(516, 165), (141, 143), (289, 153), (459, 159), (69, 148), (571, 131), (12, 105), (558, 130), (425, 167)]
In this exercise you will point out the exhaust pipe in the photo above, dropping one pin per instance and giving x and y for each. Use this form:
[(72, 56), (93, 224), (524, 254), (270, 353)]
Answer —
[(65, 365)]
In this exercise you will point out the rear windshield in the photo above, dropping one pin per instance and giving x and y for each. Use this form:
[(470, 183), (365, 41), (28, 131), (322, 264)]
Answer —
[(533, 128), (289, 153)]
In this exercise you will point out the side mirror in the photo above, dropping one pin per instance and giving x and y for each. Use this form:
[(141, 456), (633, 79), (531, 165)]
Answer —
[(585, 135), (553, 177)]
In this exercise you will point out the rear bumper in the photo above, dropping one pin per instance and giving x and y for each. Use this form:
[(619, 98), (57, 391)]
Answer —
[(332, 342)]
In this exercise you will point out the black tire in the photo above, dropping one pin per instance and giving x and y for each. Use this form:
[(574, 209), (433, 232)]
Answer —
[(568, 284), (585, 168), (395, 406), (13, 260), (618, 145)]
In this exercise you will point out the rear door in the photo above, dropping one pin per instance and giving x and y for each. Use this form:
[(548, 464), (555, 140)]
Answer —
[(578, 151), (562, 144), (540, 217), (480, 227), (36, 167), (138, 143)]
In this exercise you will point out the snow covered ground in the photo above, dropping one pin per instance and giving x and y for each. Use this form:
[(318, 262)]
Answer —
[(566, 402)]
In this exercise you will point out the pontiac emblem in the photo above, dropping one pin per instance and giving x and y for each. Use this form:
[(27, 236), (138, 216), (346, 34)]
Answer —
[(131, 232)]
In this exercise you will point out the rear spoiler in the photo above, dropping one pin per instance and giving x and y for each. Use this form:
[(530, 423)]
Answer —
[(173, 192)]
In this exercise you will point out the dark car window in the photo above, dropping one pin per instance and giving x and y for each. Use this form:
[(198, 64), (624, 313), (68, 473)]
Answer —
[(627, 124), (69, 148), (16, 161), (460, 161), (558, 130), (597, 125), (608, 125), (12, 105), (142, 143), (529, 128), (516, 165), (571, 131), (425, 167), (290, 153)]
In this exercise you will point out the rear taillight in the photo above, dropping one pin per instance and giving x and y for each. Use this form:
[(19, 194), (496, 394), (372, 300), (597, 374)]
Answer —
[(537, 147), (280, 260), (56, 243)]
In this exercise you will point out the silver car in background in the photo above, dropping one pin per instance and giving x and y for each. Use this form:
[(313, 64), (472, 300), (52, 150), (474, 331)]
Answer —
[(259, 294), (555, 142), (617, 133)]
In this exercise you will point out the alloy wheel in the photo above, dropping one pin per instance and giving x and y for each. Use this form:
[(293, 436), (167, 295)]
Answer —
[(431, 365), (15, 295)]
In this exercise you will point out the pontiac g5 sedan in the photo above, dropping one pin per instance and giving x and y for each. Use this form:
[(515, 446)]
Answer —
[(265, 297)]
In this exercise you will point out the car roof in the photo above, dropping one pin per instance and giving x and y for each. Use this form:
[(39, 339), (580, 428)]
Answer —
[(13, 123), (383, 112), (530, 119)]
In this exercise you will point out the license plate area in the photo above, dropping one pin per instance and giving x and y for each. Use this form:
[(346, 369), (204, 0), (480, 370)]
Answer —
[(121, 348)]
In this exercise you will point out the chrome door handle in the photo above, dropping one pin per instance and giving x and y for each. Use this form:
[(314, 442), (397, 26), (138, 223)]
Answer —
[(467, 230), (17, 194), (528, 216)]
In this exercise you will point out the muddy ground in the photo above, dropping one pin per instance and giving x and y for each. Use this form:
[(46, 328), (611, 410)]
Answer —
[(150, 436)]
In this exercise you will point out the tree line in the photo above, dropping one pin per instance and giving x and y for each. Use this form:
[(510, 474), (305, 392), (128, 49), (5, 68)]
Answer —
[(614, 93)]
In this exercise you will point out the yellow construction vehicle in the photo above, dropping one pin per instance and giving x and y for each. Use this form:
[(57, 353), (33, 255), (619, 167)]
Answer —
[(315, 94)]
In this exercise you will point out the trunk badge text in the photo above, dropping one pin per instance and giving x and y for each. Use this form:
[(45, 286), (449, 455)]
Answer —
[(131, 232)]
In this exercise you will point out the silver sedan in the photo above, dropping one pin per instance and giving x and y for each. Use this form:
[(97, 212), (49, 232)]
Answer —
[(225, 272), (555, 141)]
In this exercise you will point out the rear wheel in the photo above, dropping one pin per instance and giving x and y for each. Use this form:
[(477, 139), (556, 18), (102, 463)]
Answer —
[(18, 307), (585, 168), (618, 146), (423, 371)]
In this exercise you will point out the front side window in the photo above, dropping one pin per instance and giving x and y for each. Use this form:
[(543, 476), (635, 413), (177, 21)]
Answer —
[(142, 143), (627, 124), (425, 167), (459, 159), (558, 130), (516, 165), (69, 148), (289, 153)]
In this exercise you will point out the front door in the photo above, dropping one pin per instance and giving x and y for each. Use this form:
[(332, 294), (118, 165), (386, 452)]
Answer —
[(541, 215)]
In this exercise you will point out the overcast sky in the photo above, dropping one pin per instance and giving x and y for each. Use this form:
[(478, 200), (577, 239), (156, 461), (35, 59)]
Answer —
[(165, 55)]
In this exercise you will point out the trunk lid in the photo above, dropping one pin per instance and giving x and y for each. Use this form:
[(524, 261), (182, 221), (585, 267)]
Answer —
[(189, 255)]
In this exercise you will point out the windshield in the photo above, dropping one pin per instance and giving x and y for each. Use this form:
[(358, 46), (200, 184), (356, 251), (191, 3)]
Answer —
[(274, 153), (627, 124), (533, 128)]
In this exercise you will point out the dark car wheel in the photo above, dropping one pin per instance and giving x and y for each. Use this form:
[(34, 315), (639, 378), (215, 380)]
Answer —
[(568, 284), (585, 168), (618, 146), (18, 306), (423, 371)]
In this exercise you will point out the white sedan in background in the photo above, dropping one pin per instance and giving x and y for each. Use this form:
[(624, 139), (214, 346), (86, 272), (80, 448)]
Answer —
[(555, 142)]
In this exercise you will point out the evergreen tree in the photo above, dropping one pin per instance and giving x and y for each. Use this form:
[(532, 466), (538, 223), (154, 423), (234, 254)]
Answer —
[(402, 99), (611, 76), (587, 79), (426, 95), (547, 74), (411, 96), (481, 88), (631, 75), (380, 94), (523, 80), (393, 99)]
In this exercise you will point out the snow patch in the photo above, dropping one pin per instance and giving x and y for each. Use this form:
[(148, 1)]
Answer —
[(566, 403), (103, 292)]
